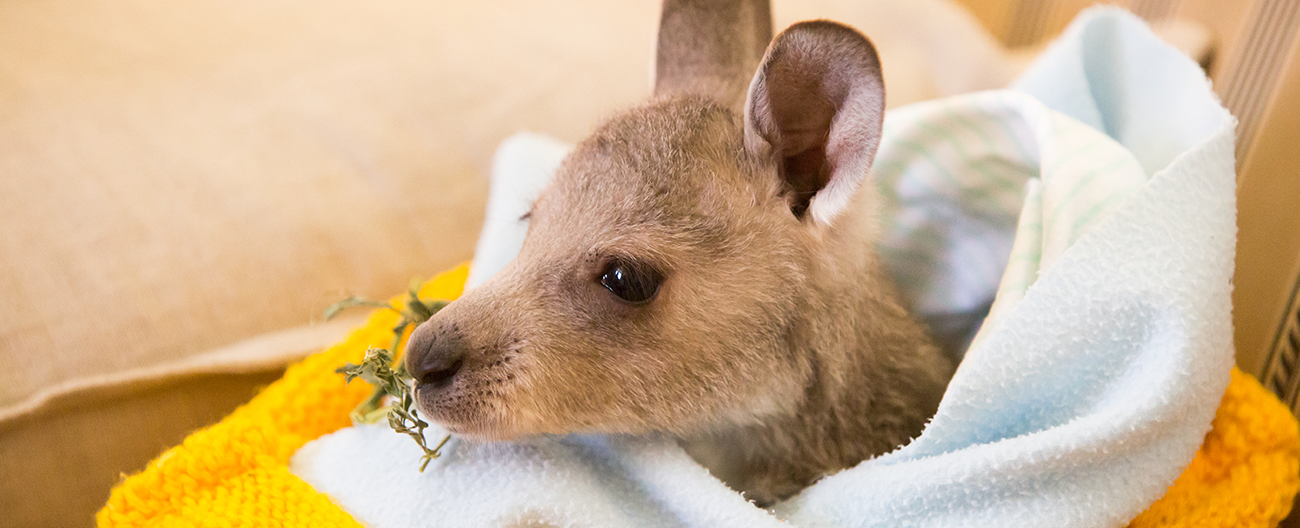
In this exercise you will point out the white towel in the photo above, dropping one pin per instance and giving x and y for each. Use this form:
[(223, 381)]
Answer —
[(1096, 202)]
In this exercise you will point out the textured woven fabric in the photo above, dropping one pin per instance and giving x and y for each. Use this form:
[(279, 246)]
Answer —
[(234, 473)]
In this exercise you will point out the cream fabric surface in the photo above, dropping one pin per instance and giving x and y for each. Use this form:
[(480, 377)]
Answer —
[(178, 179)]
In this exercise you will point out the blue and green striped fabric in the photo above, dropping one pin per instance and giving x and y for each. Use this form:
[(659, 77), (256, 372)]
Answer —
[(981, 192)]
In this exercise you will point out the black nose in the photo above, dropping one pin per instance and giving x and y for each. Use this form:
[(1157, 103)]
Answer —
[(432, 357)]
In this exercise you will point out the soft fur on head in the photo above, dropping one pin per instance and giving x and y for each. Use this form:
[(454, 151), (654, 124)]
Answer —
[(771, 342), (666, 186)]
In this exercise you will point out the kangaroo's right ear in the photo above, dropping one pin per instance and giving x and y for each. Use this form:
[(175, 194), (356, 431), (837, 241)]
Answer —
[(710, 47), (815, 107)]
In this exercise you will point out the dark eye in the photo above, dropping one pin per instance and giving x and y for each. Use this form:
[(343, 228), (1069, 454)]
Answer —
[(630, 282)]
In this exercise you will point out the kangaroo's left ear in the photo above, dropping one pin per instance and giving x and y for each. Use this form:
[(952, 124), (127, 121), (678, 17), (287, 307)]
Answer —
[(816, 105)]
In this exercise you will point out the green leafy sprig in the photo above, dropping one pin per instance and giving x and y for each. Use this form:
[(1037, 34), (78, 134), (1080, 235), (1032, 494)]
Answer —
[(378, 369)]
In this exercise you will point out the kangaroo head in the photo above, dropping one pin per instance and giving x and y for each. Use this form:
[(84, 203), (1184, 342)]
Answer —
[(668, 281)]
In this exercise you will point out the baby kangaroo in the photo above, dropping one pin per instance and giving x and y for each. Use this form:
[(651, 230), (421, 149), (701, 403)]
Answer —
[(703, 266)]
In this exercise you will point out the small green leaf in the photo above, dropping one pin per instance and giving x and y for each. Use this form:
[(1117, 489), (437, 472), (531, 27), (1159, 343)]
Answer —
[(436, 306), (418, 309), (377, 369), (352, 302)]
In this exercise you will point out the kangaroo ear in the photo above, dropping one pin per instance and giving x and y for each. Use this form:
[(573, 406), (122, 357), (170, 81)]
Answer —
[(815, 106), (710, 47)]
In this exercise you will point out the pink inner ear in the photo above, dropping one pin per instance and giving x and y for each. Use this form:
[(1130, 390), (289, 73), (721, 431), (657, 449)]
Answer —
[(806, 173), (817, 102), (802, 113)]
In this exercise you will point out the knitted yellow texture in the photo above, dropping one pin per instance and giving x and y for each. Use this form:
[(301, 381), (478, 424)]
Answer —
[(235, 473), (265, 497), (1247, 471)]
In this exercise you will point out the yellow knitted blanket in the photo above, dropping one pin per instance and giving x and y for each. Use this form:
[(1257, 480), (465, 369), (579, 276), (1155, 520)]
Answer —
[(235, 473)]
